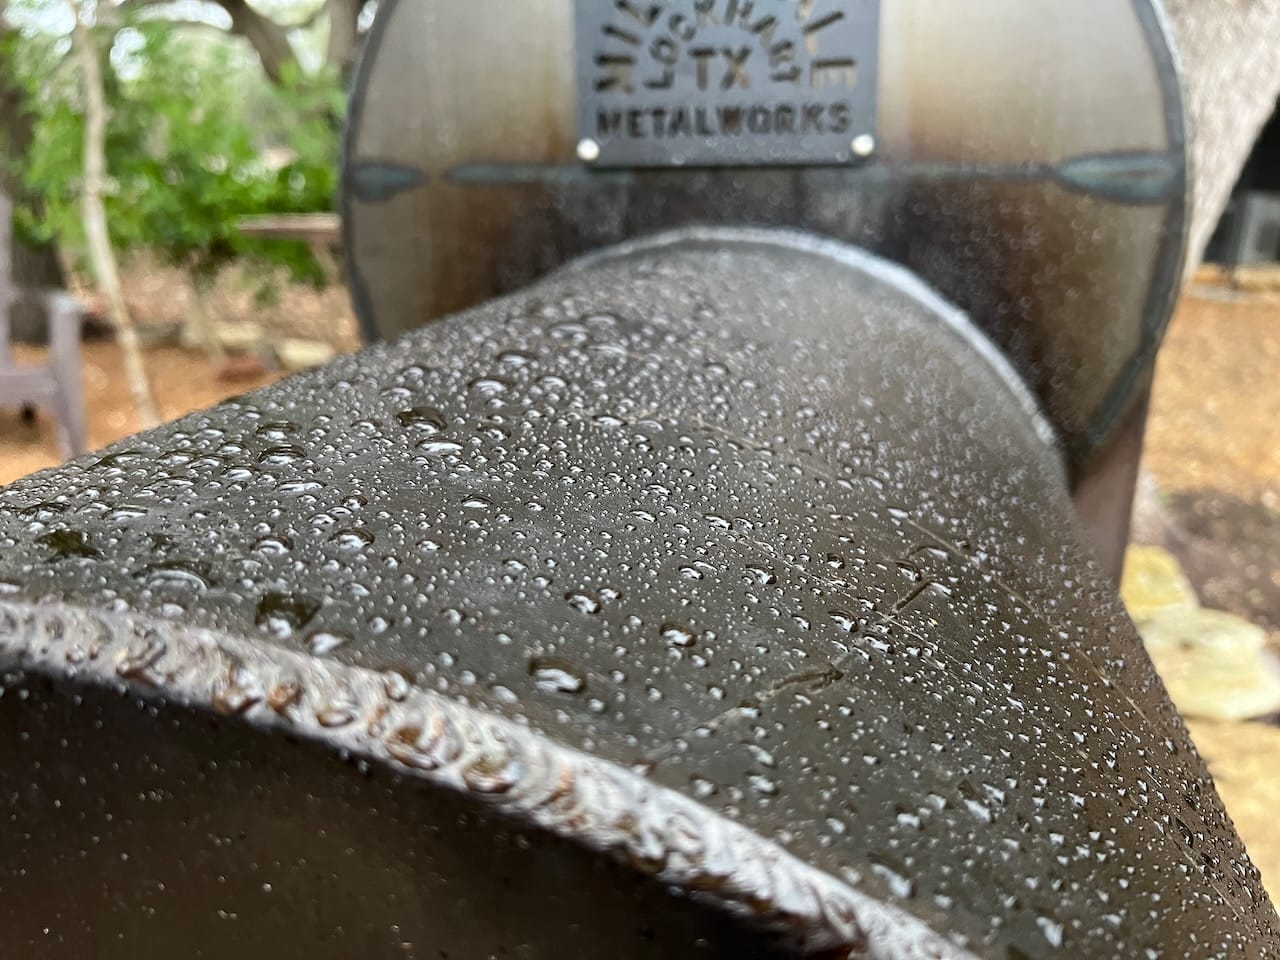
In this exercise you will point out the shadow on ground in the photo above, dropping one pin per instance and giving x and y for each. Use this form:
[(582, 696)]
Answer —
[(1230, 548)]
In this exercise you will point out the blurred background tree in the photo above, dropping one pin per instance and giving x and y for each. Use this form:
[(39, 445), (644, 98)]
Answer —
[(35, 264), (206, 127)]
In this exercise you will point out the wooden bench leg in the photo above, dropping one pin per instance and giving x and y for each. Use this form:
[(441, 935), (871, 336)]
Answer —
[(70, 405), (64, 361)]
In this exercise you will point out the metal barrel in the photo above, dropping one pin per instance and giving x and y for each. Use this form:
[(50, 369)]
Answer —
[(718, 596)]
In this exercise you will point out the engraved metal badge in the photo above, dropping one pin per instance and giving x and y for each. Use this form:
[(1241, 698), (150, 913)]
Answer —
[(726, 82)]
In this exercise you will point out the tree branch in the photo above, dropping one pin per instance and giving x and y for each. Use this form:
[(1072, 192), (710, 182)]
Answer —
[(269, 39), (310, 20), (344, 16)]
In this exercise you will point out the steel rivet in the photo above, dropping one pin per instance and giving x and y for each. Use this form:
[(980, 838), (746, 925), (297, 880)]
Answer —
[(864, 145), (588, 150)]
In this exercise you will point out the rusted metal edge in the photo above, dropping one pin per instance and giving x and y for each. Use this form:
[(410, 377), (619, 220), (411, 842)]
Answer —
[(508, 768)]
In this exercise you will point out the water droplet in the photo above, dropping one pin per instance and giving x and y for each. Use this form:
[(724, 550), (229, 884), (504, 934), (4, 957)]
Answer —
[(556, 676), (515, 358), (702, 788), (354, 539), (762, 756), (900, 884), (439, 448), (282, 455), (68, 544), (678, 635), (489, 386), (276, 430), (844, 620), (1051, 929), (174, 576), (282, 613), (323, 642), (294, 487), (582, 602), (426, 420), (273, 546)]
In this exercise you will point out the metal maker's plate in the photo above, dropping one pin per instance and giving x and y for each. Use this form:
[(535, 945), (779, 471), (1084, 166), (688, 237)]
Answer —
[(1029, 164), (726, 82)]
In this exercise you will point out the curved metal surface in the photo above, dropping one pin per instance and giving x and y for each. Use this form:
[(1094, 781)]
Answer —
[(733, 561), (1030, 164)]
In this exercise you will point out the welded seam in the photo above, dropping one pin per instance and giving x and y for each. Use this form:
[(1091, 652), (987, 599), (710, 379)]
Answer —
[(494, 761)]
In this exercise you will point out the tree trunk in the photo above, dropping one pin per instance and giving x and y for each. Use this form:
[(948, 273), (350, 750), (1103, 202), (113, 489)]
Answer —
[(35, 266), (95, 221), (1231, 56), (344, 35), (199, 330), (15, 120)]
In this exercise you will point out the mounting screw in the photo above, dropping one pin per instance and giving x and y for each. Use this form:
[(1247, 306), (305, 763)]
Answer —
[(588, 150), (863, 145)]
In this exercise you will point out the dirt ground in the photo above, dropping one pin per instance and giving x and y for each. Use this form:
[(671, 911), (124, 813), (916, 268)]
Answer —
[(183, 380), (1213, 448)]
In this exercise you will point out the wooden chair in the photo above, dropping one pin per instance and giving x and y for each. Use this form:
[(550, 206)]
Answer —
[(55, 386)]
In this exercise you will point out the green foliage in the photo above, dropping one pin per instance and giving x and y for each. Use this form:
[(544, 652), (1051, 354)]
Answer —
[(192, 118)]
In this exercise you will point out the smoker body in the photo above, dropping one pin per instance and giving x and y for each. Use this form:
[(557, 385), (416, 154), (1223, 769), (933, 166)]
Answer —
[(720, 595), (728, 587)]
